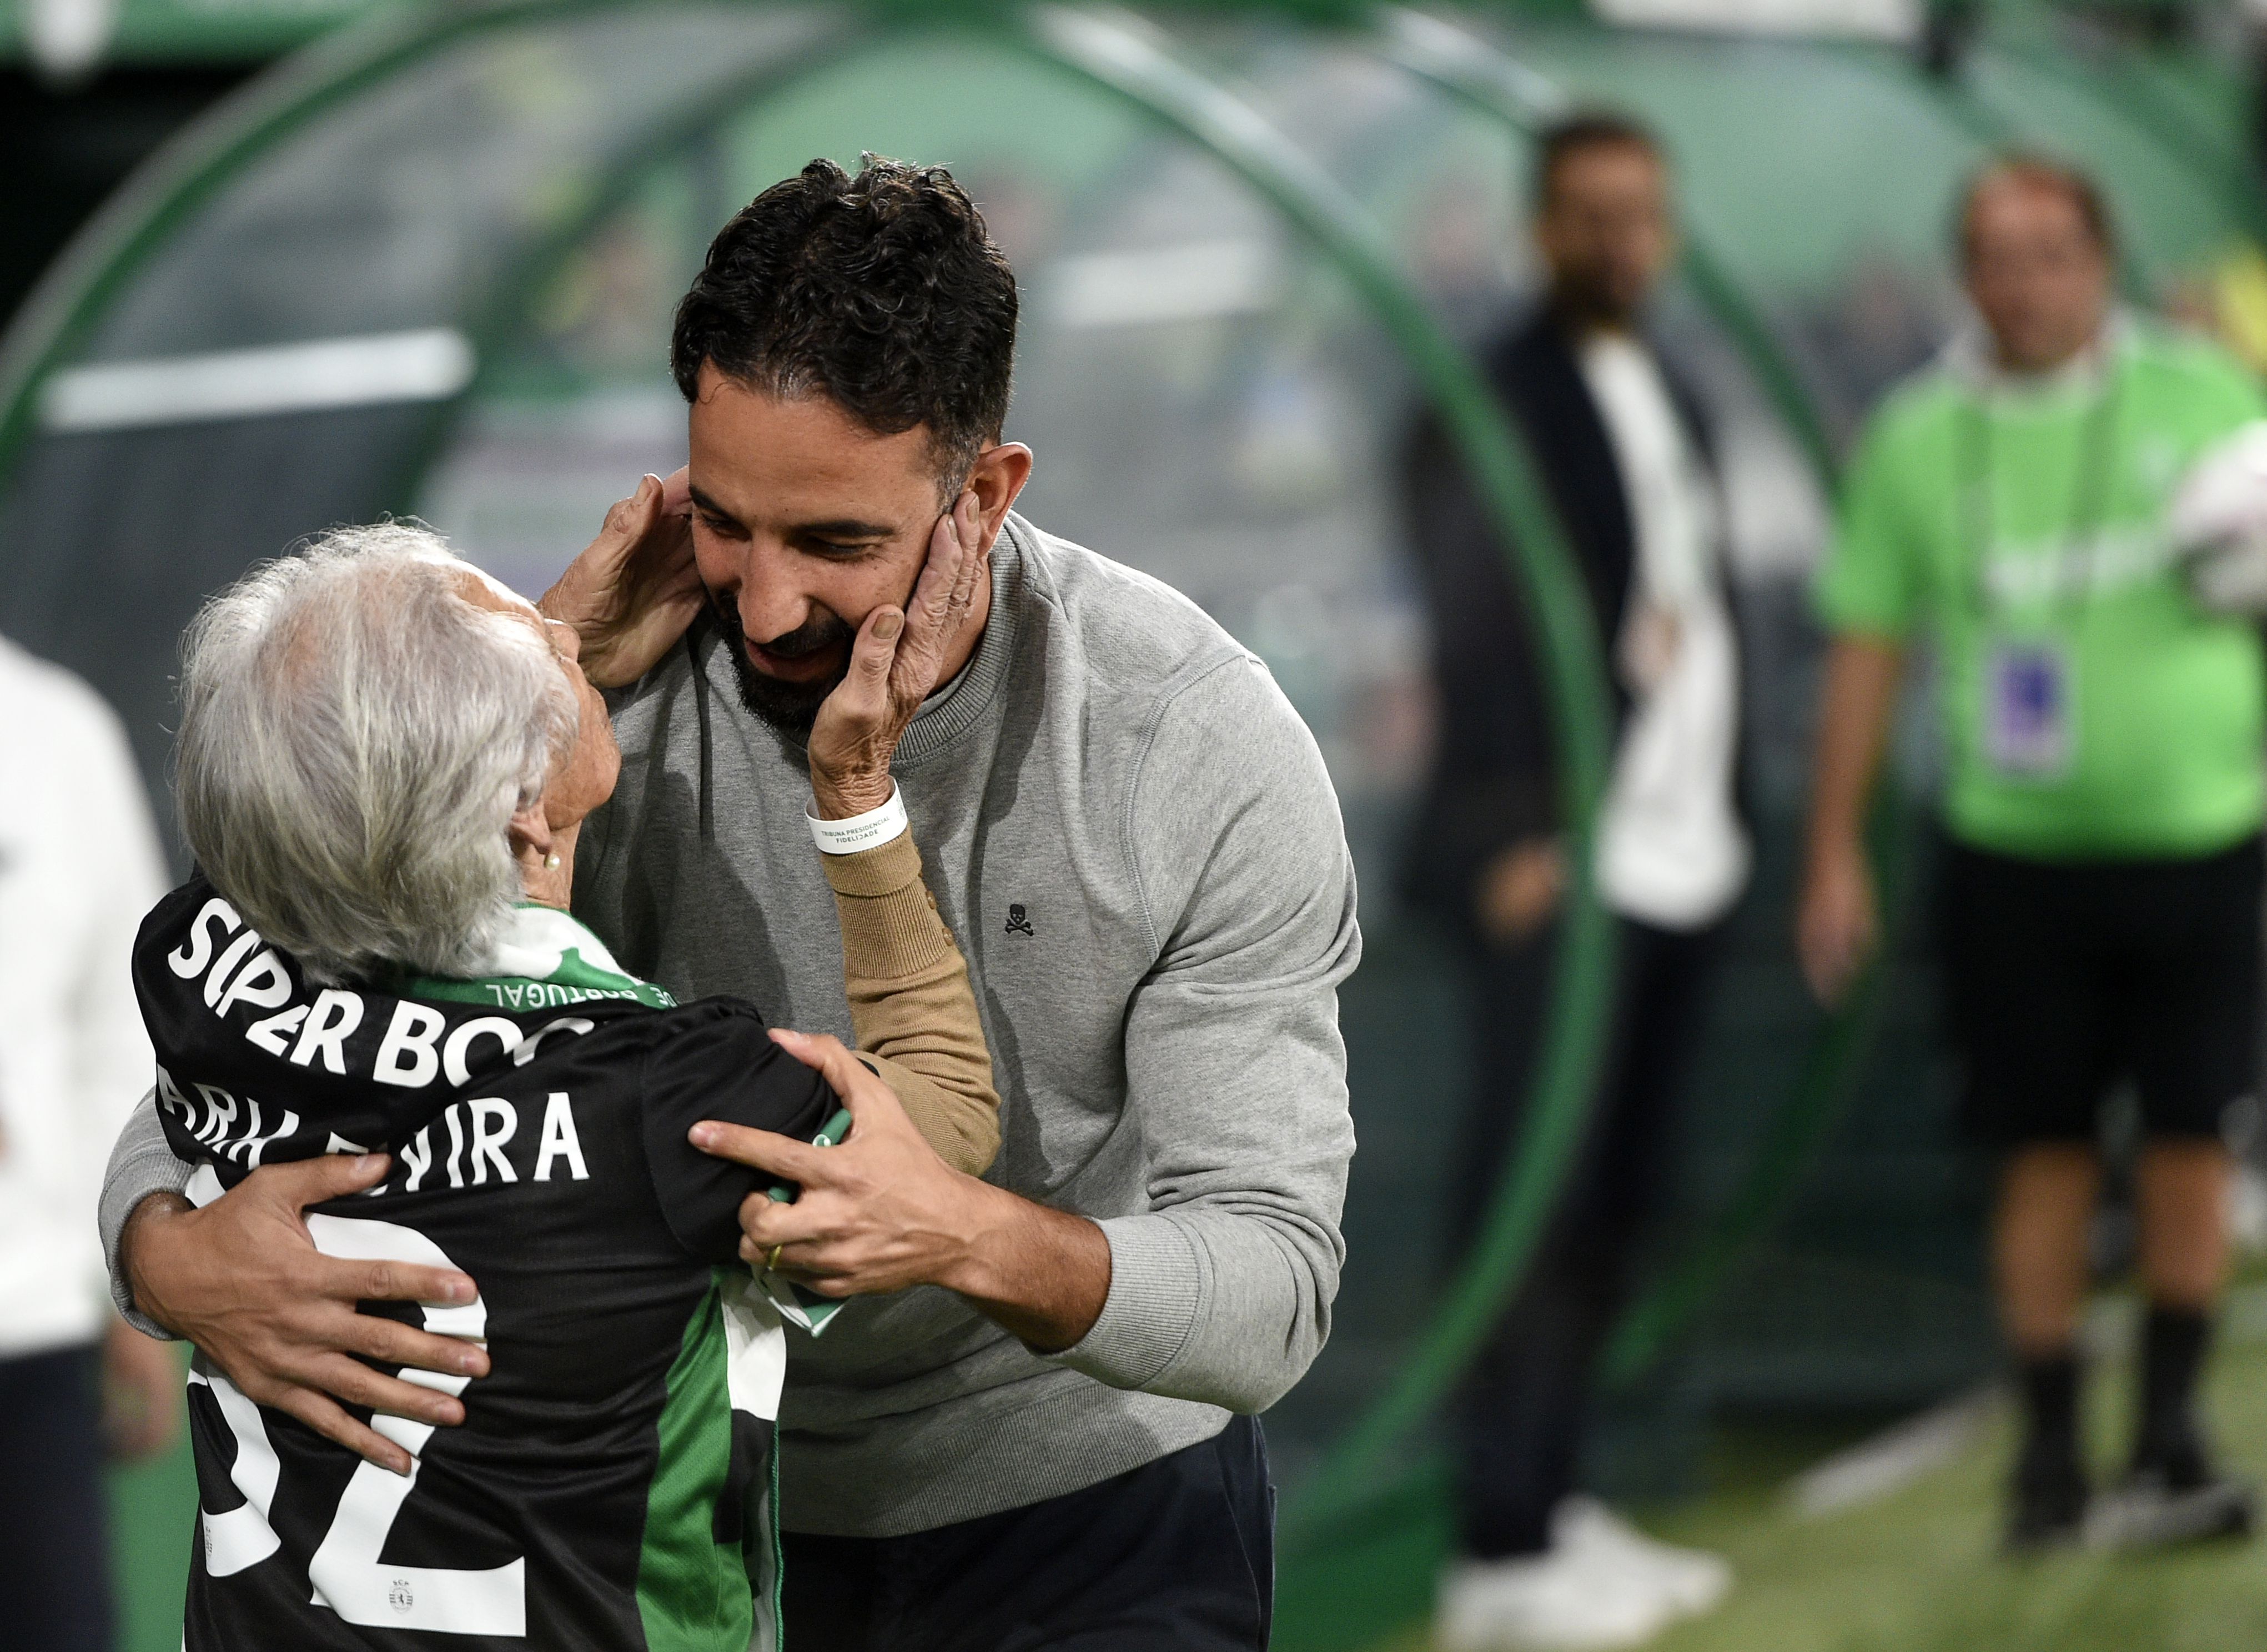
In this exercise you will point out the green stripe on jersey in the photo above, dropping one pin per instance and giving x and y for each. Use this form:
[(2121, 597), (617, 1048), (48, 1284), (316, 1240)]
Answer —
[(693, 1591)]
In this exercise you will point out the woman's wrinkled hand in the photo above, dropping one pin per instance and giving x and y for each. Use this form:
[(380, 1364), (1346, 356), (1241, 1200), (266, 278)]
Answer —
[(633, 590), (895, 664)]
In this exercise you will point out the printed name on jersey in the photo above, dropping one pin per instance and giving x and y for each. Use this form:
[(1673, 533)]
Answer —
[(480, 1136), (220, 1112), (413, 1053), (253, 998)]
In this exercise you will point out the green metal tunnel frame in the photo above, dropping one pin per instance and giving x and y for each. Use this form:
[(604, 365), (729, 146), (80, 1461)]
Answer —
[(1129, 60)]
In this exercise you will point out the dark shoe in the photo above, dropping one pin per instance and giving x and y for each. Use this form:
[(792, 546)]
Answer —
[(2172, 1458), (2048, 1506), (2152, 1511)]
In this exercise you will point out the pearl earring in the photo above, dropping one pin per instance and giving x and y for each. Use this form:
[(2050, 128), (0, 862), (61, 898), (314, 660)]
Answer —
[(552, 863)]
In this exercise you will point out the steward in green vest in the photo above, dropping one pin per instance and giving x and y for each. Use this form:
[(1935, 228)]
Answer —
[(2102, 878)]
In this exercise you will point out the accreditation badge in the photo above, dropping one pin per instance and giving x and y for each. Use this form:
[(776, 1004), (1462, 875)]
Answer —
[(2029, 709)]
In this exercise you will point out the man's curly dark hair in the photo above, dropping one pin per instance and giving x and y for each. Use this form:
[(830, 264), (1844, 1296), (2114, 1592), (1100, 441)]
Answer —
[(881, 292)]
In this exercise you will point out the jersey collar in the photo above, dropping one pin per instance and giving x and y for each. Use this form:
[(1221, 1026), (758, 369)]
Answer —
[(542, 946)]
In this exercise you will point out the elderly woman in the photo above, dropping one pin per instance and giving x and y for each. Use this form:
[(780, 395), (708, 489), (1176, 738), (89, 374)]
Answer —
[(383, 760)]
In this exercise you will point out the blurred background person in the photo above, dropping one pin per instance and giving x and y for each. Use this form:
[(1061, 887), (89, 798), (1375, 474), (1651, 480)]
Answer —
[(1625, 451), (78, 866), (2101, 880)]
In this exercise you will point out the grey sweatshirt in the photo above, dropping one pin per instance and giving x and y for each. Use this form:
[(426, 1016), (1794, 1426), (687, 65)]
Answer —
[(1133, 838)]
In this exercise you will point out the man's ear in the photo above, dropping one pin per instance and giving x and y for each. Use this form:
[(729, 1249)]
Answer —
[(997, 477), (530, 831)]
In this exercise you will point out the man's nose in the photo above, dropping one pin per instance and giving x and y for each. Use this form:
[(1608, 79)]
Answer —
[(771, 604)]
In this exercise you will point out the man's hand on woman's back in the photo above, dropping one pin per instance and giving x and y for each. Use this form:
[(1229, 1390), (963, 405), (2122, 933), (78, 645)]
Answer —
[(883, 1213), (242, 1279)]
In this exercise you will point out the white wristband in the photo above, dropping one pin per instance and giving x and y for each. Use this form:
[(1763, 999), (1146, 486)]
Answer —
[(865, 831)]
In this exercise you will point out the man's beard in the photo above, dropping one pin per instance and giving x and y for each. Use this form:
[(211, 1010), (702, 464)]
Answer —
[(1584, 300), (790, 707)]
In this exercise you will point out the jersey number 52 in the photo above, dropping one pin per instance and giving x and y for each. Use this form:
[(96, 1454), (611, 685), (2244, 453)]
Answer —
[(346, 1572)]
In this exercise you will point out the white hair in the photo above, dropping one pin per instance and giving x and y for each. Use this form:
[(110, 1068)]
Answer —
[(355, 737)]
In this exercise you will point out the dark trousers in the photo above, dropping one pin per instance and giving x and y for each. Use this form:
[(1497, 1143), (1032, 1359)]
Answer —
[(1521, 1416), (1178, 1555), (55, 1549)]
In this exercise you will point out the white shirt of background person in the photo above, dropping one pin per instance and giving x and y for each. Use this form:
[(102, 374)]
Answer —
[(1671, 851), (79, 866)]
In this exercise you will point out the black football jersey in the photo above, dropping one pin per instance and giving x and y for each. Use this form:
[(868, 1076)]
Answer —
[(612, 1485)]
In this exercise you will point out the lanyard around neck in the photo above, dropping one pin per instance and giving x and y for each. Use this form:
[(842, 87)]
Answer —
[(2089, 500)]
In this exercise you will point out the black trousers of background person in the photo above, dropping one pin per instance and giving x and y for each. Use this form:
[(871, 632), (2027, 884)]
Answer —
[(55, 1549), (1520, 1414)]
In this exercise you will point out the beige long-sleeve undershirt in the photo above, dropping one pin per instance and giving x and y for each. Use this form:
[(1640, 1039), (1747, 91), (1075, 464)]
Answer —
[(911, 1009)]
